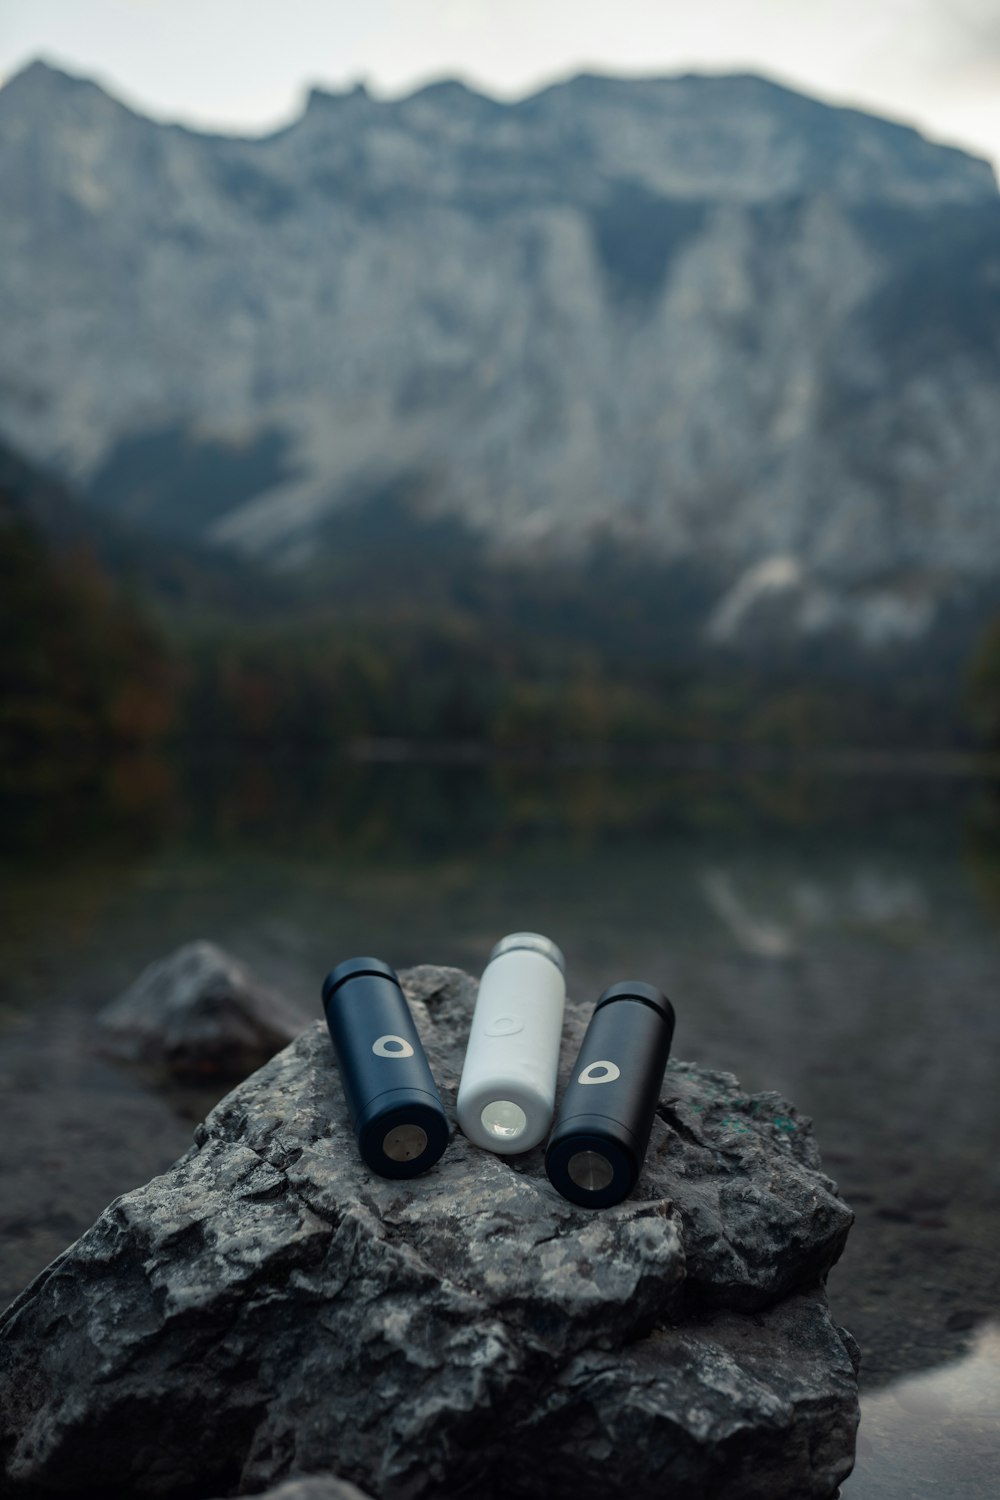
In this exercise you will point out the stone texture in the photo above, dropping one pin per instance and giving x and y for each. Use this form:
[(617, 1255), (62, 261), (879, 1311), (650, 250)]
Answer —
[(268, 1309), (198, 1013), (318, 1487)]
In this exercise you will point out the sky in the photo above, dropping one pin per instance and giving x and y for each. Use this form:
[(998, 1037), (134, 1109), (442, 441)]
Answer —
[(244, 65)]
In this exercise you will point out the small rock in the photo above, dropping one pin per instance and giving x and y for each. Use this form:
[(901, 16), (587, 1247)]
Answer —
[(198, 1013), (268, 1309)]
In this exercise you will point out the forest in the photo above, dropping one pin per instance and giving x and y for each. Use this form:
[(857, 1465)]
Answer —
[(109, 638)]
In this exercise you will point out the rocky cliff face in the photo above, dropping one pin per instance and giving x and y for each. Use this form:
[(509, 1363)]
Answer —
[(705, 315)]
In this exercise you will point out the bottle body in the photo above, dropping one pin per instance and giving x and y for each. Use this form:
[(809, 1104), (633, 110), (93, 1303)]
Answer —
[(392, 1099), (597, 1148), (507, 1093)]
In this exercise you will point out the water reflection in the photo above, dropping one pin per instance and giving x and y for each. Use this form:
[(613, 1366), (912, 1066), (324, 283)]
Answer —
[(833, 938), (754, 934), (934, 1436)]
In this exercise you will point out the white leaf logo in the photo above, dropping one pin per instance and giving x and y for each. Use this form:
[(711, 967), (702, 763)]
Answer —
[(392, 1046), (600, 1072)]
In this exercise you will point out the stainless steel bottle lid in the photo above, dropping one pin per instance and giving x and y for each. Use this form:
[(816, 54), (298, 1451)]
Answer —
[(647, 994), (534, 942), (355, 968)]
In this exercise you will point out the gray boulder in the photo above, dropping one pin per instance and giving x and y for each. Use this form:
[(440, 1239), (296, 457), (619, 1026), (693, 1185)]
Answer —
[(318, 1487), (268, 1309), (198, 1013)]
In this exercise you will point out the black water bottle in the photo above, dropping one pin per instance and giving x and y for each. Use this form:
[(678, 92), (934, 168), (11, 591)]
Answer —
[(596, 1151), (394, 1104)]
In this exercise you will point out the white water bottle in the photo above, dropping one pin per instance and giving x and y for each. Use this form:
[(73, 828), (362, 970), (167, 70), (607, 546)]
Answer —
[(507, 1094)]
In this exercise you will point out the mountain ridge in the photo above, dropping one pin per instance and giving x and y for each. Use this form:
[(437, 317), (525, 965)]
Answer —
[(49, 74), (709, 318)]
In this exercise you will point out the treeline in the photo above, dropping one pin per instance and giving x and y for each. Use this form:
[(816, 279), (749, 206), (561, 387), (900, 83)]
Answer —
[(983, 696), (82, 659), (443, 681), (78, 659)]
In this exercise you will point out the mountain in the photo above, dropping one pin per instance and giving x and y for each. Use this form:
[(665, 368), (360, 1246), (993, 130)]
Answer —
[(706, 319), (183, 582)]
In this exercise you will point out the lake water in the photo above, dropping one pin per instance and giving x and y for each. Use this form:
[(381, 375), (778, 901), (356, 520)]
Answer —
[(832, 936)]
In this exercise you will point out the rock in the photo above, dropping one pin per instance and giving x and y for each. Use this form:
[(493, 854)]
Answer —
[(319, 1487), (268, 1309), (199, 1013)]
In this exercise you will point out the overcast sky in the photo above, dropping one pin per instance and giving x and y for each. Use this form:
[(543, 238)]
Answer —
[(243, 65)]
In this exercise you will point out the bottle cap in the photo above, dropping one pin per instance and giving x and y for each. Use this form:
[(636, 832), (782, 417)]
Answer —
[(647, 994), (534, 942), (353, 968)]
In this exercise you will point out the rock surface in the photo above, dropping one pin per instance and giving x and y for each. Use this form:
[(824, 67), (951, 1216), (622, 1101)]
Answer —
[(198, 1012), (318, 1487), (268, 1309)]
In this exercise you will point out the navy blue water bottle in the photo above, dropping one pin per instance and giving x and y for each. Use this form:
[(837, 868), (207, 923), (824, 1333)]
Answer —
[(395, 1108), (598, 1145)]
